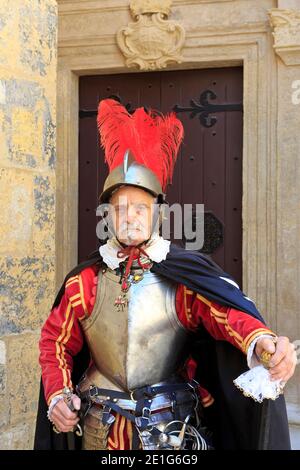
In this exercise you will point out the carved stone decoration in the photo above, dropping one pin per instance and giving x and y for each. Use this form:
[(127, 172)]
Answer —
[(152, 41), (141, 7), (286, 32)]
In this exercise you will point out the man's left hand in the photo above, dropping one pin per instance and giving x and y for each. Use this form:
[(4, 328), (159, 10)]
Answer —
[(284, 359)]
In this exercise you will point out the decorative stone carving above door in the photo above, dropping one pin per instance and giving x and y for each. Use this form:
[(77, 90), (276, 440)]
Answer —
[(286, 32), (152, 41)]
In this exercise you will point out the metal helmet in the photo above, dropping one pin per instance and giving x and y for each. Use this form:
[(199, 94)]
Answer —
[(131, 173)]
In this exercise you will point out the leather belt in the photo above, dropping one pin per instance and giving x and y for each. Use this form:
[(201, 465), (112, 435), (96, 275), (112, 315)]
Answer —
[(162, 396), (159, 402)]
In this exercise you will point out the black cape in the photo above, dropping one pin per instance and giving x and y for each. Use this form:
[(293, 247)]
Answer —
[(236, 421)]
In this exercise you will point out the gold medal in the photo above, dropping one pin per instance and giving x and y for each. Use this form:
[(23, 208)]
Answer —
[(137, 278)]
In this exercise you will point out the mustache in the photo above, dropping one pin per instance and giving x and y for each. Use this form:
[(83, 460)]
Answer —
[(132, 226)]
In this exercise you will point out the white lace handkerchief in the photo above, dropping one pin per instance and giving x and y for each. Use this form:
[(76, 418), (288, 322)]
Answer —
[(257, 384)]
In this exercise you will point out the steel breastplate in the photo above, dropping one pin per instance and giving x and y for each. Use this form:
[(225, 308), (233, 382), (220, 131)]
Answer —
[(144, 343)]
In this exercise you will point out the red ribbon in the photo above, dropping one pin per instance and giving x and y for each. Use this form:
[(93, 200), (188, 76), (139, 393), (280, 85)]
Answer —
[(134, 252)]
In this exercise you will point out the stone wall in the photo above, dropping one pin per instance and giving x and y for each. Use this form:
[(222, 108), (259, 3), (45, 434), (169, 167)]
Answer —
[(28, 44)]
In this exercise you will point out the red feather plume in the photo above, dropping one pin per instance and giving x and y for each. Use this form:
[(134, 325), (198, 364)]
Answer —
[(153, 139)]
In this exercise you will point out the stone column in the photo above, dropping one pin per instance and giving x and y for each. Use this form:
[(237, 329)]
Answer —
[(286, 32), (28, 40)]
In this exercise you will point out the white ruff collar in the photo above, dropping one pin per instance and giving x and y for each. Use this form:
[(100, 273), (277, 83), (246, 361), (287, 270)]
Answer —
[(157, 249)]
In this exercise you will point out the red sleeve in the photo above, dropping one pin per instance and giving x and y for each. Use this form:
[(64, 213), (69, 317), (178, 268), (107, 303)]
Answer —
[(223, 323), (61, 335)]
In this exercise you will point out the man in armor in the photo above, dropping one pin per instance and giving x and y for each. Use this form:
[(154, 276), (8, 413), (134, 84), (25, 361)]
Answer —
[(163, 332)]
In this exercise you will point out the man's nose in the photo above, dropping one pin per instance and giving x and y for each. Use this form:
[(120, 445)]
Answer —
[(131, 213)]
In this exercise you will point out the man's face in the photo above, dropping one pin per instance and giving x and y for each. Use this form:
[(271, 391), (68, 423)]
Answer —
[(132, 213)]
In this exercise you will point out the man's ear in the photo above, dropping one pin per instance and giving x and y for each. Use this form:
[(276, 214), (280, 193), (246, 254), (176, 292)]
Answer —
[(161, 204), (109, 219)]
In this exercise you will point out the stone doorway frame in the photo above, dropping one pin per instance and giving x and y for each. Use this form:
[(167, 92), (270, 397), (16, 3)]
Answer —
[(251, 48)]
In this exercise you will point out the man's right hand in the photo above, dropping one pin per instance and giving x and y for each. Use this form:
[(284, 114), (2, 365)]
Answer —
[(64, 419)]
